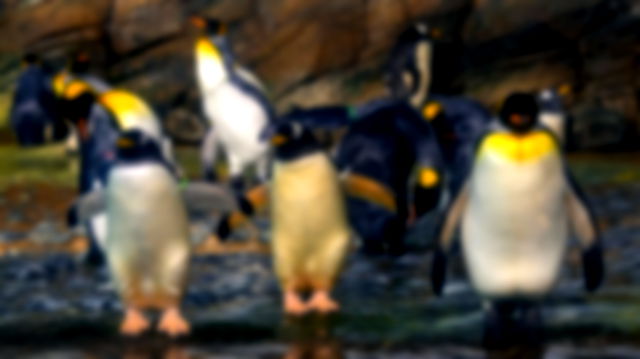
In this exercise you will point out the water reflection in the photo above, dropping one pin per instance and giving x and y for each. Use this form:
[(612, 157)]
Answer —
[(311, 338)]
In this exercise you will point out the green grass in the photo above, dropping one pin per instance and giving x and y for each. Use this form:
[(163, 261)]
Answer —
[(40, 164)]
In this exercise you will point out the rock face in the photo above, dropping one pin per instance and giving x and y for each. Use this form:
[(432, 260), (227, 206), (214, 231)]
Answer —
[(333, 51)]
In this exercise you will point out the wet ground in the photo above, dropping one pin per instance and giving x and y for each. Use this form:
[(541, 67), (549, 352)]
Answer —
[(52, 306)]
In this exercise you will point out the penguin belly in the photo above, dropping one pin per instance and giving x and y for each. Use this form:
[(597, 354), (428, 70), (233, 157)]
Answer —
[(148, 246), (310, 229), (515, 228), (238, 120)]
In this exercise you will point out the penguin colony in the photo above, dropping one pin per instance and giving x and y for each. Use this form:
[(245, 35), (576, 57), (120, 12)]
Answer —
[(502, 180)]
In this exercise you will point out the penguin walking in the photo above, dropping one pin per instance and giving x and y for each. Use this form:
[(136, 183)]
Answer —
[(148, 246), (234, 104), (516, 210)]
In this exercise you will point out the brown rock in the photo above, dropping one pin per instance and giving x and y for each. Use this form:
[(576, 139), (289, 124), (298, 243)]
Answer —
[(137, 23)]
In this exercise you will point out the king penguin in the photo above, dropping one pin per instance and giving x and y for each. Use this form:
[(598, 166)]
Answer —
[(310, 230), (415, 76), (516, 211), (552, 112), (234, 104)]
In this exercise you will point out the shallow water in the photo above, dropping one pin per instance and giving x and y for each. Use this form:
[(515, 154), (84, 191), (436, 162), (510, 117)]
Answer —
[(53, 307)]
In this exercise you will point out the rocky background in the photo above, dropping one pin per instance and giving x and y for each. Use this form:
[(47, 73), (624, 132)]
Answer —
[(334, 51)]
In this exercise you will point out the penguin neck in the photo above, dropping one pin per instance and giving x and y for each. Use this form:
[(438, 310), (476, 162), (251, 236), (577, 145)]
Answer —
[(214, 62), (423, 59)]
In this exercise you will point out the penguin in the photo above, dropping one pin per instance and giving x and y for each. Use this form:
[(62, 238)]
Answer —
[(516, 211), (390, 165), (310, 229), (234, 104), (100, 114), (148, 246), (390, 170), (418, 75), (552, 112), (33, 115)]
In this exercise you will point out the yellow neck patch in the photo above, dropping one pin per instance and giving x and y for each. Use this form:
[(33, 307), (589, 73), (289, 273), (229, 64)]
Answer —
[(76, 88), (59, 83), (207, 50), (127, 108), (518, 148)]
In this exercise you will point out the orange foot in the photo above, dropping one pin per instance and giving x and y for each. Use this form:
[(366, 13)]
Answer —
[(134, 323), (293, 305), (173, 323), (322, 302)]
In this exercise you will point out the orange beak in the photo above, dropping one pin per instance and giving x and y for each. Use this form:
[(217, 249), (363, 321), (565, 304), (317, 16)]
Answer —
[(517, 119), (198, 22)]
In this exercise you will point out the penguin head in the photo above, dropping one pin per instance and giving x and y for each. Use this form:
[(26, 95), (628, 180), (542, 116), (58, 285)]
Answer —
[(30, 59), (80, 62), (135, 145), (519, 113), (404, 74), (549, 100), (209, 26), (290, 140), (76, 100)]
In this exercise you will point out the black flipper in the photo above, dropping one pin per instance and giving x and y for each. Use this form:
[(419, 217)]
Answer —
[(593, 267), (438, 270), (584, 226)]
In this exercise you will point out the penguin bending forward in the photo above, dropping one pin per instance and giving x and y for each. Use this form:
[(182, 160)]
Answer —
[(234, 103), (148, 246), (516, 211)]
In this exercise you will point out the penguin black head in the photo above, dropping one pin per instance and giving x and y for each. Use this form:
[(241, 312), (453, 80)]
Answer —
[(291, 140), (209, 26), (519, 112), (30, 59), (80, 62), (135, 145)]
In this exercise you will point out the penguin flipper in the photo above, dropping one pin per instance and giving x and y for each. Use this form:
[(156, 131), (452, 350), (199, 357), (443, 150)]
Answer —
[(253, 201), (444, 235), (584, 226), (201, 197), (369, 189), (87, 206)]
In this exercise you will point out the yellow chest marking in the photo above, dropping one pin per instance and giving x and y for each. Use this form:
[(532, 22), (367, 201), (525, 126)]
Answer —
[(59, 83), (518, 148), (206, 50), (127, 108)]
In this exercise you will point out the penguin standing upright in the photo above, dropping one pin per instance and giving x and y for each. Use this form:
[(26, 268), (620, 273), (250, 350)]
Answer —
[(148, 246), (100, 114), (516, 209), (34, 118), (552, 113), (310, 233), (418, 75), (234, 104)]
